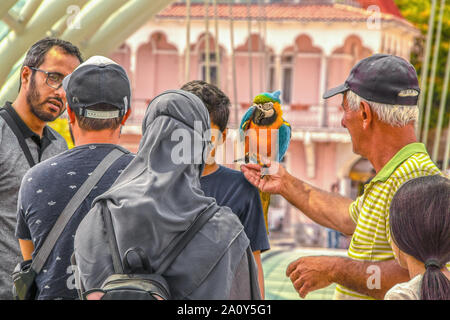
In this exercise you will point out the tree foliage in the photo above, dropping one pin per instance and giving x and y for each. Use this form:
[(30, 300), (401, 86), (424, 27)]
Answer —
[(418, 13)]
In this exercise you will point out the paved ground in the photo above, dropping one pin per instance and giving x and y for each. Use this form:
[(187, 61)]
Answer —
[(275, 262)]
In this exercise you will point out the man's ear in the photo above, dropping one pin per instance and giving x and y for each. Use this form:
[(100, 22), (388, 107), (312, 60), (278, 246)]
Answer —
[(25, 76), (224, 135), (125, 117), (70, 114), (366, 114)]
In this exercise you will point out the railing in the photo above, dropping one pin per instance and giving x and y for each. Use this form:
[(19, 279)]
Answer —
[(306, 118), (138, 108)]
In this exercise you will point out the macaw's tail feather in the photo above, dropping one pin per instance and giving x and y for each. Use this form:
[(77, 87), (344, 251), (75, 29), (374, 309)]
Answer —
[(265, 200)]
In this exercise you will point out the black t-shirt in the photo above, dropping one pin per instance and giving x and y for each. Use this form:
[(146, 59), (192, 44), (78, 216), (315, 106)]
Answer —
[(231, 189), (45, 191), (42, 143)]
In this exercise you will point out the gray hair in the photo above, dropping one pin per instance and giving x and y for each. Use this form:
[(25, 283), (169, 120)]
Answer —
[(394, 115)]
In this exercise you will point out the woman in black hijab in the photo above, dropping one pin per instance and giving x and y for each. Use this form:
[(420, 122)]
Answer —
[(157, 198)]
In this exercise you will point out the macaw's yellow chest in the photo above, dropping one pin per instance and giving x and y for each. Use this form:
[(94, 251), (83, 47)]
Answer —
[(259, 140)]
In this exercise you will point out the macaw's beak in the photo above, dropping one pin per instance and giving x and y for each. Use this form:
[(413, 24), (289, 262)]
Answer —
[(259, 115)]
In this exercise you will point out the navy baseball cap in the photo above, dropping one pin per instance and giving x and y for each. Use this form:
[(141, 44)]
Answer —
[(382, 78), (98, 80)]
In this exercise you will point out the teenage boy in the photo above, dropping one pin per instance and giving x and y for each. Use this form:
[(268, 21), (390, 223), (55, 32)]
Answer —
[(229, 187)]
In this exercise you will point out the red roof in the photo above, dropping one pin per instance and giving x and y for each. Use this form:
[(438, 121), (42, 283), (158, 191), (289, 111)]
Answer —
[(386, 6), (284, 11)]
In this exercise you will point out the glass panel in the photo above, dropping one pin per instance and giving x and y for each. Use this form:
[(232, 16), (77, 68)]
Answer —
[(4, 30), (18, 7), (271, 83), (287, 85), (287, 59), (212, 74), (212, 57)]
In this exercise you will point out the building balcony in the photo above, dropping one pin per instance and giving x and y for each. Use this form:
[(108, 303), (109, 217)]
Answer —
[(301, 117)]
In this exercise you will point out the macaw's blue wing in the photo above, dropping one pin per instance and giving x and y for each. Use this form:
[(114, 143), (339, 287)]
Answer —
[(246, 119), (245, 123), (284, 138)]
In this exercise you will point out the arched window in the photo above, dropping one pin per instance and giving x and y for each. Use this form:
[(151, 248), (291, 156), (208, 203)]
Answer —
[(287, 75), (213, 65)]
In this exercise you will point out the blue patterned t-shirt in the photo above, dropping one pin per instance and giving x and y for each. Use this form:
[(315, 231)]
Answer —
[(45, 191)]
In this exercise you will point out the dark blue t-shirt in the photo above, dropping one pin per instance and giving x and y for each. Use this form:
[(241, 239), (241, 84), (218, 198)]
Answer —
[(231, 189), (45, 191)]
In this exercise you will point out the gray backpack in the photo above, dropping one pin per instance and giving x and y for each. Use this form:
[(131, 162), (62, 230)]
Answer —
[(134, 278)]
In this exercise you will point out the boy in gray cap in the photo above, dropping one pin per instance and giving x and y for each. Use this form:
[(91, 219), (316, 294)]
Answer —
[(380, 109), (98, 95)]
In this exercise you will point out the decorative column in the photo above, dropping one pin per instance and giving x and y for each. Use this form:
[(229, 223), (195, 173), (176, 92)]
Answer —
[(278, 71), (345, 187), (323, 116), (310, 156)]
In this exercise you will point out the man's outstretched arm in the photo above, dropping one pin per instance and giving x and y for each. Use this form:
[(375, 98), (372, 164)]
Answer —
[(369, 278), (328, 209)]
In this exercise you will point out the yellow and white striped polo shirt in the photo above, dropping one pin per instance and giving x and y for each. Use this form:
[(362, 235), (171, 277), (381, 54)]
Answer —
[(370, 211)]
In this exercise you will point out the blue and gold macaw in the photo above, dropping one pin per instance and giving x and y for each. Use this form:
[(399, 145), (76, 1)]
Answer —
[(265, 114)]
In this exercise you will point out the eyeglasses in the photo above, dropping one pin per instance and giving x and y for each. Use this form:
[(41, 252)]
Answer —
[(53, 80)]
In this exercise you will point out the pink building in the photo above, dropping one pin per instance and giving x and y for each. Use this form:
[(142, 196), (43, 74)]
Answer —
[(300, 47)]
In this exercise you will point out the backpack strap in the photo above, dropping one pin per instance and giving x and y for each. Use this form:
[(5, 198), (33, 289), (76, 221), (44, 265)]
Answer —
[(15, 129), (112, 241), (176, 246), (71, 207)]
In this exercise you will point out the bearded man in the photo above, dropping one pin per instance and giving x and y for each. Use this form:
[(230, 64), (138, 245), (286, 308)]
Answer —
[(25, 139)]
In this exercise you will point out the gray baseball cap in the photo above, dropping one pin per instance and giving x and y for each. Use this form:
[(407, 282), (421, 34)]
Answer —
[(382, 78), (98, 80)]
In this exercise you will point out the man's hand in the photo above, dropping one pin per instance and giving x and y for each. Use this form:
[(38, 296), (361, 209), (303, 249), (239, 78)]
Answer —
[(310, 273), (257, 175)]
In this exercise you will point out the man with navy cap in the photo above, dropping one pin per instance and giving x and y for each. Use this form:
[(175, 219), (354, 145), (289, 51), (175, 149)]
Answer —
[(379, 102), (98, 94)]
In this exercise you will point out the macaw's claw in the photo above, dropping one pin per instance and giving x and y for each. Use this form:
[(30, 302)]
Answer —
[(252, 158)]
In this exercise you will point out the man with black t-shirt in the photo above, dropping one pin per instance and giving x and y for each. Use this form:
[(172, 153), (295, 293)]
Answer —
[(25, 139)]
